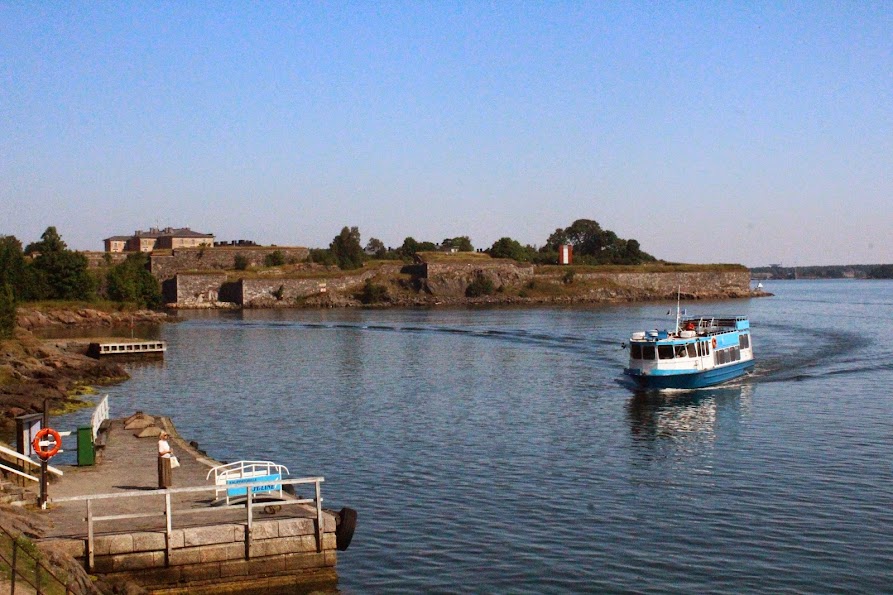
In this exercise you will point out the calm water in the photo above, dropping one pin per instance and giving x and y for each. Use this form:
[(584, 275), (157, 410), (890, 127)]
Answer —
[(493, 450)]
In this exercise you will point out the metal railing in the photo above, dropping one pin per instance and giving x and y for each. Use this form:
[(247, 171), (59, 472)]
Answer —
[(231, 477), (169, 513), (21, 562), (100, 414)]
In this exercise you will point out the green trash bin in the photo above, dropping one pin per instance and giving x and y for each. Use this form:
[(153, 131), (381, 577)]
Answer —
[(86, 449)]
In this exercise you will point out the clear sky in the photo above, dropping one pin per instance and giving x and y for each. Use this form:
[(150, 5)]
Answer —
[(748, 132)]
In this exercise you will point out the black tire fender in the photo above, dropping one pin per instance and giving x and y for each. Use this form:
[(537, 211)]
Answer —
[(345, 524)]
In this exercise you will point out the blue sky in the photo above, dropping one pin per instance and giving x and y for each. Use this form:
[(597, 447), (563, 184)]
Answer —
[(709, 131)]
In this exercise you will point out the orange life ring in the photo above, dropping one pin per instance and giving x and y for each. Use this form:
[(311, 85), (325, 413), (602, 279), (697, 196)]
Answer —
[(714, 342), (43, 433)]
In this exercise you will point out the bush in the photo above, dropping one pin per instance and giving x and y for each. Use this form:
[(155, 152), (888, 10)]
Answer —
[(480, 286), (274, 259), (373, 293), (240, 262), (322, 256), (568, 277)]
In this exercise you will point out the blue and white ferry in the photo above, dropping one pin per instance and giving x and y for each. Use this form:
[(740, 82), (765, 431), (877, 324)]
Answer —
[(702, 351)]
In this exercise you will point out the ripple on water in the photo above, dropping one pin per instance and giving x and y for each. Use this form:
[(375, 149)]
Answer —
[(494, 450)]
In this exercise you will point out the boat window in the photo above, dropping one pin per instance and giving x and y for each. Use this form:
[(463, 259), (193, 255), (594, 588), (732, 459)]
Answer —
[(635, 351), (665, 351), (744, 340), (736, 354), (692, 352), (680, 351), (647, 351)]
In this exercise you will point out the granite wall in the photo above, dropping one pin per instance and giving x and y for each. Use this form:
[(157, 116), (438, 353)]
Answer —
[(453, 279), (692, 285), (193, 289), (166, 264)]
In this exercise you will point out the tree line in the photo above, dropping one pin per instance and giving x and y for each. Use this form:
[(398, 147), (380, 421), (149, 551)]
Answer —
[(591, 243), (48, 270)]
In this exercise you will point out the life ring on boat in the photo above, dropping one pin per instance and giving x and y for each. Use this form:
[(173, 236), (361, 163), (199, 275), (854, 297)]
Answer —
[(41, 434), (714, 342)]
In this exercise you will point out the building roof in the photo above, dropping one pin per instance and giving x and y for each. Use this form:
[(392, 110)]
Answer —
[(180, 232), (117, 239)]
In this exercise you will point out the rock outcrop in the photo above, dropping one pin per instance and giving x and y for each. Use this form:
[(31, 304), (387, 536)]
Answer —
[(33, 318), (32, 371)]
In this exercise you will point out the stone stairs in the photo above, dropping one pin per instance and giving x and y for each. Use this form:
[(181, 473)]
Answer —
[(16, 495)]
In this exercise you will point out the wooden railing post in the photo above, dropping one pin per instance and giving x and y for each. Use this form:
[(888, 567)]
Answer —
[(90, 560), (168, 528), (319, 524)]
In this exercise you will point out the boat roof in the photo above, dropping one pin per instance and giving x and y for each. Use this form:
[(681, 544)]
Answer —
[(701, 325)]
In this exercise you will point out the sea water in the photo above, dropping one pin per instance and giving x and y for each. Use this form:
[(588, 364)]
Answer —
[(500, 450)]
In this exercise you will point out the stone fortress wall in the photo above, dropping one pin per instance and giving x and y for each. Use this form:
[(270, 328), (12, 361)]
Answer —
[(447, 283), (168, 263)]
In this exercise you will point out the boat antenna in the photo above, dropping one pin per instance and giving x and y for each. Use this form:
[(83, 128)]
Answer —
[(678, 297)]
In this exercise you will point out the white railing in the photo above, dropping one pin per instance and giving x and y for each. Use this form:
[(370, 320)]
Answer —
[(100, 414), (230, 478), (168, 513), (25, 464)]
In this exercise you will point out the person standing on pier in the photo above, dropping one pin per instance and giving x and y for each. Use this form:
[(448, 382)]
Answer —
[(165, 453)]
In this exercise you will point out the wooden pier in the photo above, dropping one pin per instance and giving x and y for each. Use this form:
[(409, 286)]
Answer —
[(114, 519), (124, 347)]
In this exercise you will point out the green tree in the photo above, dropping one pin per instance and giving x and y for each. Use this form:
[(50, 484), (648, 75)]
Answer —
[(131, 281), (346, 249), (62, 273), (461, 244), (7, 311), (17, 272), (509, 248), (50, 241), (409, 248), (376, 248), (595, 245)]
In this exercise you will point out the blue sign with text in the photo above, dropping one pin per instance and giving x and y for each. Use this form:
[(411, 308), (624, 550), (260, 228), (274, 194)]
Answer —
[(271, 484)]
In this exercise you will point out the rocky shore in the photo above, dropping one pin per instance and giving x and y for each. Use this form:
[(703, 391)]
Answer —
[(32, 318), (34, 370)]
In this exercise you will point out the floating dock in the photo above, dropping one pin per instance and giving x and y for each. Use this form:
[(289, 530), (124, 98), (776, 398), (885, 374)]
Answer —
[(114, 519), (123, 347)]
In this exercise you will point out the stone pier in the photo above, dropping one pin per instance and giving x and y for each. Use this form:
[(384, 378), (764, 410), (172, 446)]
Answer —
[(199, 547)]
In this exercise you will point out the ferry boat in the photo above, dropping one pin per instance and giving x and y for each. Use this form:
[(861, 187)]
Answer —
[(702, 351)]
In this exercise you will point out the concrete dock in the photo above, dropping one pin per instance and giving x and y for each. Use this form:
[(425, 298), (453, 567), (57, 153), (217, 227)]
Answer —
[(114, 519)]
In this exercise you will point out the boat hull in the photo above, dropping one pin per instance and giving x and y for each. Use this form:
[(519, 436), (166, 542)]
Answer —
[(688, 380)]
